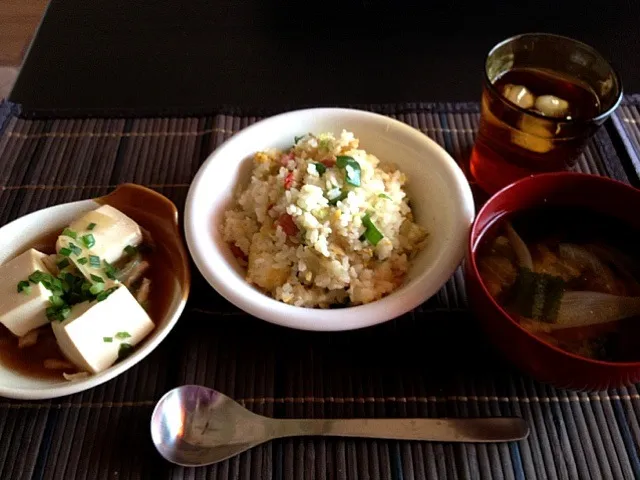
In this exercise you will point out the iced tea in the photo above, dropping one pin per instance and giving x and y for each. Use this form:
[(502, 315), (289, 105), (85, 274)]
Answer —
[(537, 112)]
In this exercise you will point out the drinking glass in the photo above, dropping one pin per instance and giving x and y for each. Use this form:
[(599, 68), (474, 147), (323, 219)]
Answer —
[(517, 140)]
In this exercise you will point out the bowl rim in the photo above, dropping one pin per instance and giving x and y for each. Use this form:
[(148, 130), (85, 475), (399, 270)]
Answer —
[(263, 306), (471, 253), (601, 116), (146, 348)]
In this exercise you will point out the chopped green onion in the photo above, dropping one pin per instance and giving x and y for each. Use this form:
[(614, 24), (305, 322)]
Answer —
[(64, 312), (96, 278), (124, 351), (130, 250), (56, 291), (122, 335), (320, 168), (56, 313), (67, 232), (65, 252), (107, 339), (64, 263), (351, 167), (75, 249), (94, 260), (109, 270), (54, 285), (91, 226), (384, 195), (103, 295), (23, 286), (336, 195), (297, 139), (85, 287), (371, 234), (82, 261), (56, 301), (96, 288), (88, 240), (37, 276)]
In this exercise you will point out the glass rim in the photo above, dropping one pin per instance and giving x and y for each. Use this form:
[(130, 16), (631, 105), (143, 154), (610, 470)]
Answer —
[(600, 117)]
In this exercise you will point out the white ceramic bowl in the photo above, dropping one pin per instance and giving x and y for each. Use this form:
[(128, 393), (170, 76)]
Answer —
[(440, 197), (21, 234)]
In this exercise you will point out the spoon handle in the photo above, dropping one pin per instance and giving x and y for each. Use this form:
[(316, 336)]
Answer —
[(497, 429)]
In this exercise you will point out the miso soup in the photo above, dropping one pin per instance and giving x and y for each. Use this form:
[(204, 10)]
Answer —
[(569, 276)]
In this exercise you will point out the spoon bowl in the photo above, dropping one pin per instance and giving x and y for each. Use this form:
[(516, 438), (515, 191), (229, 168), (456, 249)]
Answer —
[(195, 426), (153, 212)]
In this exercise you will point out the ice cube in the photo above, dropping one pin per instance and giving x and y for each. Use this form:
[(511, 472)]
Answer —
[(552, 106), (535, 134), (519, 95)]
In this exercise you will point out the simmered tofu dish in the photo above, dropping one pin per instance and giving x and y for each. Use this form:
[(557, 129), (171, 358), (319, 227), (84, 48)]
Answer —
[(78, 302)]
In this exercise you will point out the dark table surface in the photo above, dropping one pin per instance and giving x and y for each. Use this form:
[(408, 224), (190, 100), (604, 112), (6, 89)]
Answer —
[(161, 56)]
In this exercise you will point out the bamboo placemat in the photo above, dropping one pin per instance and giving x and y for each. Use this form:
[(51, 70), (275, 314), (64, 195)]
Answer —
[(432, 362), (627, 123)]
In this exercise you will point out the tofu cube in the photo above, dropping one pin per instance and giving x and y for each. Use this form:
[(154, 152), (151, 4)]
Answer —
[(89, 336), (111, 230), (23, 312)]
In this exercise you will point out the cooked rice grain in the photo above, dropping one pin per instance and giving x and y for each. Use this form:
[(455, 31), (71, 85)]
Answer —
[(300, 227)]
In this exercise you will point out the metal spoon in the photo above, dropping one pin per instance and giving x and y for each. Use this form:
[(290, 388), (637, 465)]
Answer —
[(194, 426)]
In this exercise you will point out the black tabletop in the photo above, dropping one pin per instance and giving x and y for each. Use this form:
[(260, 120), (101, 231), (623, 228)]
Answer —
[(161, 56)]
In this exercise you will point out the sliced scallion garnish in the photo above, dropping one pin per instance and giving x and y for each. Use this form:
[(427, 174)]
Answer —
[(371, 234), (336, 195), (65, 252), (109, 270), (91, 226), (103, 295), (23, 286), (351, 168), (75, 249), (64, 263), (82, 261), (67, 232), (320, 168), (130, 250), (56, 301), (122, 335), (56, 313), (384, 195), (124, 351), (96, 278), (64, 312), (88, 240), (94, 260), (37, 276), (107, 339), (96, 288)]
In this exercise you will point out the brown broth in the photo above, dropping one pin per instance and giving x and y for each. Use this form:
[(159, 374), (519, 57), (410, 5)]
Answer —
[(615, 341), (30, 360)]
